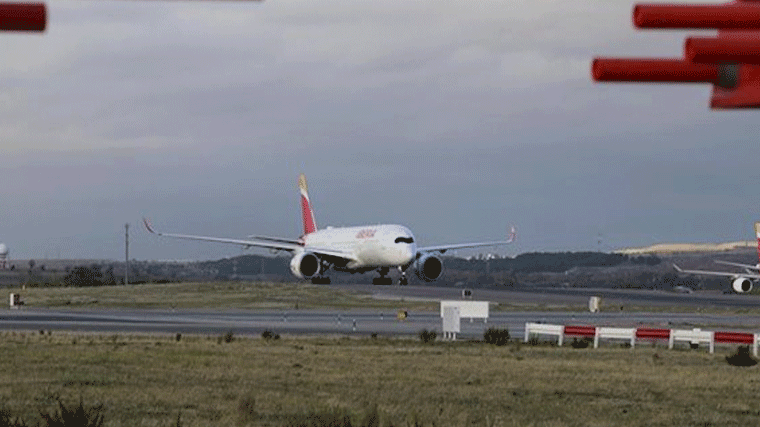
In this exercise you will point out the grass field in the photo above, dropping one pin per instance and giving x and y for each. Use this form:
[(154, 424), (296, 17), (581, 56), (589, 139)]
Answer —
[(151, 380), (267, 295), (244, 295)]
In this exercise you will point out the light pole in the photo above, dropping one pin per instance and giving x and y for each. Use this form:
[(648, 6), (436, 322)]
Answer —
[(126, 253)]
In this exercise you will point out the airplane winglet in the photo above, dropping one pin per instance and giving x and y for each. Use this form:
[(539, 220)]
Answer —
[(148, 226), (678, 269)]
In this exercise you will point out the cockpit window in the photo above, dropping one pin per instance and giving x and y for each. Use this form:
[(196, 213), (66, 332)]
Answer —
[(404, 240)]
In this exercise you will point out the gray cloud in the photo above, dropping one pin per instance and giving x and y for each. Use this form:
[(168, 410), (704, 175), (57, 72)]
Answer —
[(454, 119)]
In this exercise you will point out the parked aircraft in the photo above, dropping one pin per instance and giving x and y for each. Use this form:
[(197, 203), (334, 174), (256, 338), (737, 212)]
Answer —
[(350, 249), (740, 282)]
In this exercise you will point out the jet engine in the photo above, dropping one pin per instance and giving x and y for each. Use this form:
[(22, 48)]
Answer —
[(428, 267), (741, 285), (305, 265)]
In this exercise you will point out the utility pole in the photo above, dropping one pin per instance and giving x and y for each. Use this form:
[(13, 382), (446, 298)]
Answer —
[(126, 253)]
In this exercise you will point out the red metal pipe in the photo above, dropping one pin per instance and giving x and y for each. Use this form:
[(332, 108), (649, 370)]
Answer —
[(729, 16), (734, 337), (652, 333), (22, 17), (715, 50), (652, 71), (586, 331)]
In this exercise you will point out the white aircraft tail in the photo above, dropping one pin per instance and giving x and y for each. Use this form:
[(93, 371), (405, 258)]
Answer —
[(309, 223)]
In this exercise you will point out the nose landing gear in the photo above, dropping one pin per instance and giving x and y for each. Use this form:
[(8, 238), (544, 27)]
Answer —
[(402, 281)]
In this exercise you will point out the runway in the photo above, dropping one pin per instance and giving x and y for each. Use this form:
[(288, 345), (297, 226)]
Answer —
[(330, 322), (364, 322)]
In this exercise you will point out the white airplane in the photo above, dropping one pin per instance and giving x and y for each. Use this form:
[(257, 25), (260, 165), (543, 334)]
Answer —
[(740, 282), (350, 249)]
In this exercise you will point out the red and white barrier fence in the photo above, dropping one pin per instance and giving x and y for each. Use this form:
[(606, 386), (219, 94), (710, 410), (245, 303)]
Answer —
[(693, 336)]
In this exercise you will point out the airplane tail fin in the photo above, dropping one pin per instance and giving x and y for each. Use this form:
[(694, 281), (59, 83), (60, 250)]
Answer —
[(309, 223)]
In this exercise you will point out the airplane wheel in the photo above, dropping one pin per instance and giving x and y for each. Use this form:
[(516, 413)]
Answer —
[(403, 281)]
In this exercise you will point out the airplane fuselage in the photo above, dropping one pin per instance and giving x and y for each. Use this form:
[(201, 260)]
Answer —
[(384, 245)]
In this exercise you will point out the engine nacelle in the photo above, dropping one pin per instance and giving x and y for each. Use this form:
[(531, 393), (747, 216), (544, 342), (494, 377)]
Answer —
[(428, 268), (305, 265), (741, 285)]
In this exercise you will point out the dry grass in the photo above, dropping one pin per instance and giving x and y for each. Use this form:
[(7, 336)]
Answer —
[(149, 380), (260, 295)]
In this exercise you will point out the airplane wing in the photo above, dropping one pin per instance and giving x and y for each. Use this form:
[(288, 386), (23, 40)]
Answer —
[(272, 243), (737, 264), (275, 239), (717, 273), (284, 246), (444, 248)]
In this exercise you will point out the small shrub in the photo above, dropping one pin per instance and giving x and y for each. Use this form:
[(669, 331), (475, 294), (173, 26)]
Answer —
[(496, 336), (269, 335), (78, 416), (228, 337), (581, 343), (179, 337), (427, 336), (741, 357)]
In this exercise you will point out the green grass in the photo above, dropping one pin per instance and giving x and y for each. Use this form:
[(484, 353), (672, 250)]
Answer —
[(150, 380)]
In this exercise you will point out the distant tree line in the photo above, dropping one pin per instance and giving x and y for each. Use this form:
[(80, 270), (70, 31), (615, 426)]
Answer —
[(89, 276), (549, 262)]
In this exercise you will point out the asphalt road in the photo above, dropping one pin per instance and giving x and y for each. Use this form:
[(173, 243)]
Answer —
[(385, 323)]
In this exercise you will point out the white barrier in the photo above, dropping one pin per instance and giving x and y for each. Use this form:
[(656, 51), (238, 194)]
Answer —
[(468, 309), (615, 333), (693, 336), (451, 323), (543, 328)]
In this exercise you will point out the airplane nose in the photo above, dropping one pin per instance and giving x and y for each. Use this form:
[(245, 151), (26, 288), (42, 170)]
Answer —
[(409, 253)]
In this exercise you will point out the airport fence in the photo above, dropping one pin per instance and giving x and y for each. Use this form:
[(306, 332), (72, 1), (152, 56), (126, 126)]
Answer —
[(694, 336)]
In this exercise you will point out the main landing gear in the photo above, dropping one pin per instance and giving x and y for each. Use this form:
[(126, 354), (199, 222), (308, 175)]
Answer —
[(382, 280)]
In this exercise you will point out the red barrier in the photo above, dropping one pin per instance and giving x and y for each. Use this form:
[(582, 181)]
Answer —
[(652, 70), (22, 17), (653, 333), (586, 331), (735, 16), (723, 49), (734, 337)]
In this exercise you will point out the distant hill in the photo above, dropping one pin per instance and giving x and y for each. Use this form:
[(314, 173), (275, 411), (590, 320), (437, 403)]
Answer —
[(669, 248)]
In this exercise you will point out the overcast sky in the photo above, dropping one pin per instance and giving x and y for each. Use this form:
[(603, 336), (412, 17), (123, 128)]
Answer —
[(455, 119)]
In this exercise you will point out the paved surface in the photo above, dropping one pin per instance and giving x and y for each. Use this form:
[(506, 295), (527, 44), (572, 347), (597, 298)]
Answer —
[(384, 323), (329, 322)]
